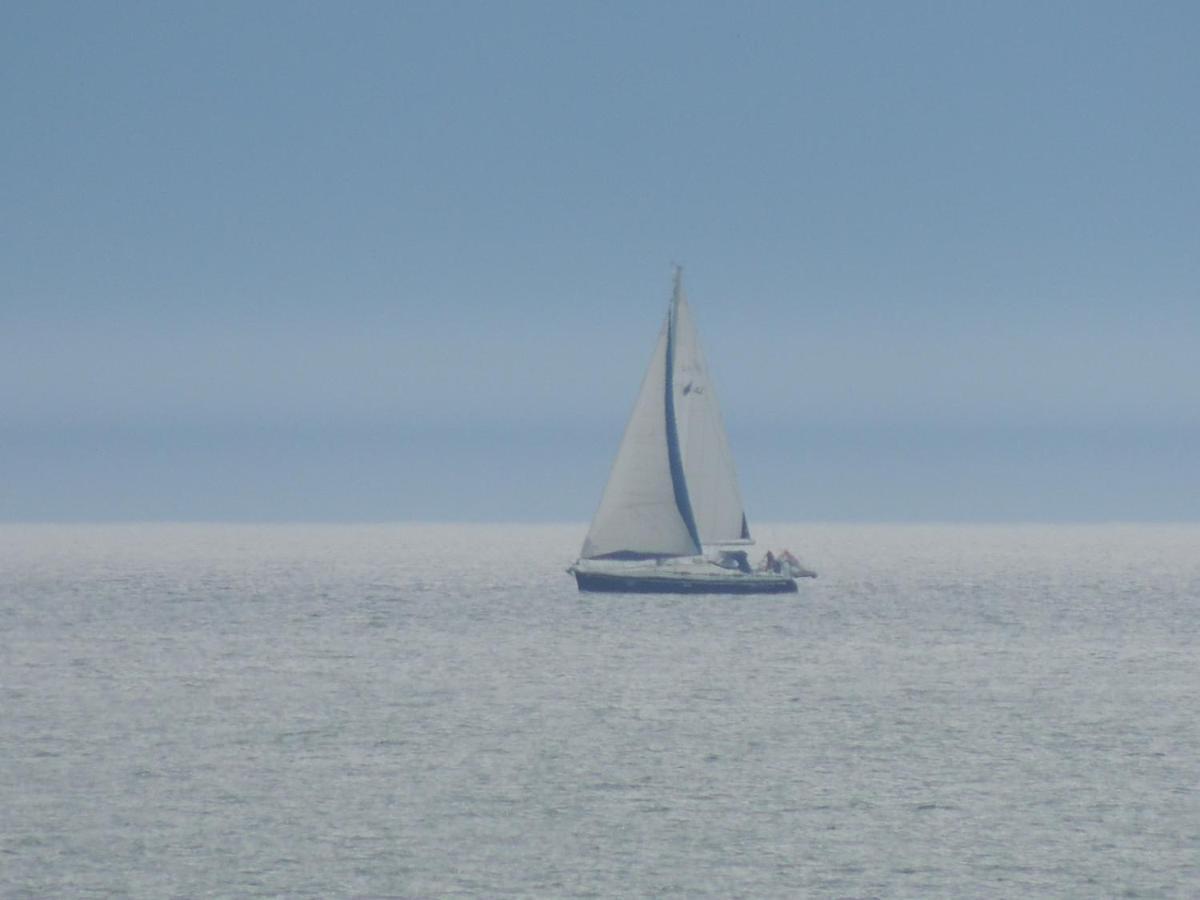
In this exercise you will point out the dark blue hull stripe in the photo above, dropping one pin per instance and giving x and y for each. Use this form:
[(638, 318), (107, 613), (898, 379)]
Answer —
[(631, 584)]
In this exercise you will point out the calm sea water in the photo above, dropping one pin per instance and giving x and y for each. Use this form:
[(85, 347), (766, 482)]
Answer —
[(318, 711)]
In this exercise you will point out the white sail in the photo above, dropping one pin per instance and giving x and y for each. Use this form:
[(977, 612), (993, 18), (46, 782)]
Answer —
[(640, 513), (707, 462)]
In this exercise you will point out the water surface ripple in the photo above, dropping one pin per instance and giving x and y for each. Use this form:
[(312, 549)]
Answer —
[(412, 711)]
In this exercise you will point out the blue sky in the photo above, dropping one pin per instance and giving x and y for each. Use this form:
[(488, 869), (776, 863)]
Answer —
[(407, 261)]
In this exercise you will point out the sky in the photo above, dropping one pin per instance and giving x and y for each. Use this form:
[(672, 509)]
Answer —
[(407, 261)]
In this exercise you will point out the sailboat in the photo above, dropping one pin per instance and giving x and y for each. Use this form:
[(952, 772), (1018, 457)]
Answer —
[(671, 517)]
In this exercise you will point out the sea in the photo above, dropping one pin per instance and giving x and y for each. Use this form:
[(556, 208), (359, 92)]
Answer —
[(207, 710)]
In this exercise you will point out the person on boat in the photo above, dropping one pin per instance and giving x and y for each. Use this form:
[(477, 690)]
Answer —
[(771, 562)]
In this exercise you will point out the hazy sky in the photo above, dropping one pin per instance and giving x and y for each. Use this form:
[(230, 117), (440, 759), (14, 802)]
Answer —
[(408, 261)]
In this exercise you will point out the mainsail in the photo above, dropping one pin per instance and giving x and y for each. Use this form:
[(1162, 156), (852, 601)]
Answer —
[(672, 487)]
